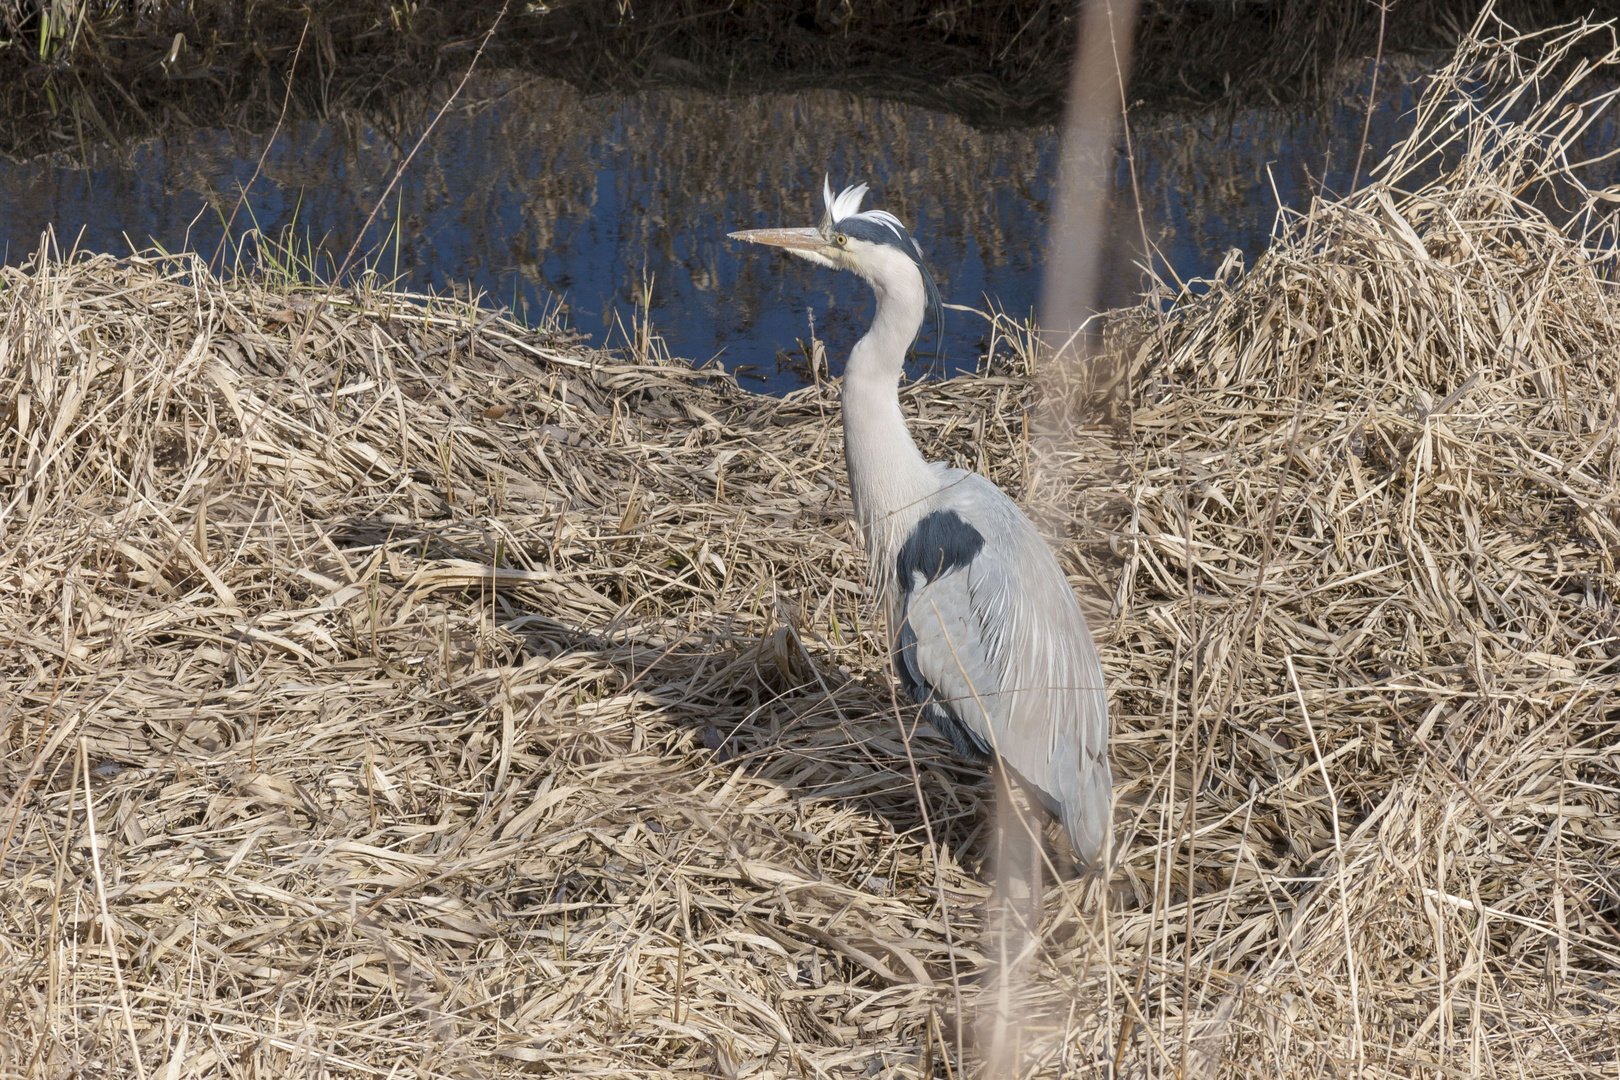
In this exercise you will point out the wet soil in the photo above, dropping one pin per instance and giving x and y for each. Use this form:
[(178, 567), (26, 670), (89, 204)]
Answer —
[(123, 71)]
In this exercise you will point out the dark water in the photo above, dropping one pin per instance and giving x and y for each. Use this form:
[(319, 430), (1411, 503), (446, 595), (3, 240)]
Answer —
[(536, 196)]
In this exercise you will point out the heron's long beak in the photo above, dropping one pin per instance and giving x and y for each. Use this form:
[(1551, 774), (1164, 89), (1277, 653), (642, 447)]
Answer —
[(792, 239)]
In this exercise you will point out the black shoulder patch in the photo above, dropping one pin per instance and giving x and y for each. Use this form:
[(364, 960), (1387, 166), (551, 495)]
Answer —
[(940, 543)]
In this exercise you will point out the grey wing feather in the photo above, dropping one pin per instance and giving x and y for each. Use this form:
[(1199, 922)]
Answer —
[(1002, 643), (945, 665)]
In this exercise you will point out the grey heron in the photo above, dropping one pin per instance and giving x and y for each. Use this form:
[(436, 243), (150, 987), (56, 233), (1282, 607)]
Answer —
[(988, 638)]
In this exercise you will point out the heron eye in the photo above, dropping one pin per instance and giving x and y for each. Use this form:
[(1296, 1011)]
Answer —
[(841, 239)]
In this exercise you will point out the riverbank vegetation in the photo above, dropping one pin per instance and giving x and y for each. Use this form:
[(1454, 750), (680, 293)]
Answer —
[(77, 72), (393, 687)]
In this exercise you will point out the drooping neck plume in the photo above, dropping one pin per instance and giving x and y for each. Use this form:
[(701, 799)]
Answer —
[(887, 475)]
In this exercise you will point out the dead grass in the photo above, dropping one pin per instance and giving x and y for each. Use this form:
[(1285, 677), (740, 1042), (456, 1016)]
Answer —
[(1364, 636), (449, 696), (394, 690)]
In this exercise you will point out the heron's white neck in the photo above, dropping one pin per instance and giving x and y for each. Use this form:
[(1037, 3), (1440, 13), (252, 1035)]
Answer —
[(888, 477)]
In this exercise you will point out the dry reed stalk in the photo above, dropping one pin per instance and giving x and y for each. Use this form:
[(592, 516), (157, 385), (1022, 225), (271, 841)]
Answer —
[(1359, 535), (458, 701), (453, 693)]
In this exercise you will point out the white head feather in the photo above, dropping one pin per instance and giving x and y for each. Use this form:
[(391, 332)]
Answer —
[(847, 204)]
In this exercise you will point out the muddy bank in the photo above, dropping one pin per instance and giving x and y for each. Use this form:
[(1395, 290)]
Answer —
[(111, 71)]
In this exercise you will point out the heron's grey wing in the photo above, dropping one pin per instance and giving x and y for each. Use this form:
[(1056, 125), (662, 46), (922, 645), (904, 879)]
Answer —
[(996, 647), (940, 652), (941, 660), (1057, 704)]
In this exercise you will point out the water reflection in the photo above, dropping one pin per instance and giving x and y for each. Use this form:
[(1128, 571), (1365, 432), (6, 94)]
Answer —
[(533, 192)]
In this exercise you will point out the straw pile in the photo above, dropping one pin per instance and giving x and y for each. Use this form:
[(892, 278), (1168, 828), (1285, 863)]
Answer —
[(1364, 636), (444, 693), (391, 689)]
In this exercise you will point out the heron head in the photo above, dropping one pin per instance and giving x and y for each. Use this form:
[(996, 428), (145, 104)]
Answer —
[(873, 243)]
